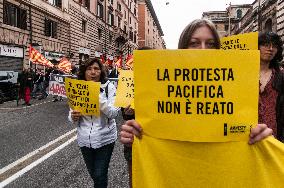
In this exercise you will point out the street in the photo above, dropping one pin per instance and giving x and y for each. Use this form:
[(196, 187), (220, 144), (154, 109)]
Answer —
[(39, 148)]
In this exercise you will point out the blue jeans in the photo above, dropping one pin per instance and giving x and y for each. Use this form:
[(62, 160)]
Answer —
[(97, 162)]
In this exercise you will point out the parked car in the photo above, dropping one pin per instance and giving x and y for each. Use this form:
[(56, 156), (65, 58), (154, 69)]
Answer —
[(8, 85)]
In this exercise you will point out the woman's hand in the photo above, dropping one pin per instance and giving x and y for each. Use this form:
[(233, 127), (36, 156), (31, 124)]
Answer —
[(75, 115), (130, 129), (258, 133)]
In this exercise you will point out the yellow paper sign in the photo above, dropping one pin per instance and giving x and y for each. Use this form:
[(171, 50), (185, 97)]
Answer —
[(83, 96), (125, 89), (247, 41), (197, 95)]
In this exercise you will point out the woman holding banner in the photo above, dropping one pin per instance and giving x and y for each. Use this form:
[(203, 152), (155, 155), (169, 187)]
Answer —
[(271, 93), (199, 34), (97, 135)]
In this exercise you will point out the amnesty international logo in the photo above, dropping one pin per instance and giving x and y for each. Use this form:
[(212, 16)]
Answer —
[(233, 129)]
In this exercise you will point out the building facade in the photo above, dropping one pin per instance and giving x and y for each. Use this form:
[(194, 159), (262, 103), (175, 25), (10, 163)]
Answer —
[(150, 32), (76, 29)]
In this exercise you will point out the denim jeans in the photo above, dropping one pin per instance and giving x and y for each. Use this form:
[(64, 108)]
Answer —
[(97, 162)]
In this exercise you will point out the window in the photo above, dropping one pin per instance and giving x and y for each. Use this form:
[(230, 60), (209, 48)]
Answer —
[(124, 14), (100, 10), (131, 35), (87, 4), (129, 20), (111, 1), (135, 38), (124, 29), (226, 27), (57, 3), (110, 39), (100, 34), (135, 11), (118, 22), (50, 28), (239, 13), (84, 26), (118, 6), (15, 16), (110, 18)]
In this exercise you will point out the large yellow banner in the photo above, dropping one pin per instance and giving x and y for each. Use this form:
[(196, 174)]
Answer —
[(125, 89), (197, 95), (159, 163), (246, 41), (83, 96)]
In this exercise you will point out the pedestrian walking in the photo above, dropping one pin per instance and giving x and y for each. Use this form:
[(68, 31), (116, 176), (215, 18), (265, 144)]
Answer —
[(97, 135)]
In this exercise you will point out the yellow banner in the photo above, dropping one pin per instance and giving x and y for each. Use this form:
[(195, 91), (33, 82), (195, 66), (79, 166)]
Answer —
[(125, 89), (247, 41), (159, 163), (83, 96), (197, 95)]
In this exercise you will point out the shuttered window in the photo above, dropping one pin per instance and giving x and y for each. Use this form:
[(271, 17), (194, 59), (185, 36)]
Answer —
[(50, 28), (15, 16)]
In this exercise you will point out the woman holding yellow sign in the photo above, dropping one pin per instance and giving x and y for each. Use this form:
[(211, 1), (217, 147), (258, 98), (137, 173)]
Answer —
[(97, 135), (199, 34)]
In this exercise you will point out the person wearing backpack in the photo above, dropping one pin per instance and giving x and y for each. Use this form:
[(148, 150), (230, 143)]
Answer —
[(97, 135)]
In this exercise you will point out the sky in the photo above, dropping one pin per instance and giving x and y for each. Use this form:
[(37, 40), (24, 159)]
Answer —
[(174, 16)]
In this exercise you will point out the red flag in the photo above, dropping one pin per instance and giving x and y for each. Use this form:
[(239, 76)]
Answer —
[(38, 58), (64, 65), (129, 61), (102, 58), (108, 62), (118, 63)]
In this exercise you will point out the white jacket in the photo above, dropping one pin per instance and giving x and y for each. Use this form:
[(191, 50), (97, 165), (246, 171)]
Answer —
[(95, 132)]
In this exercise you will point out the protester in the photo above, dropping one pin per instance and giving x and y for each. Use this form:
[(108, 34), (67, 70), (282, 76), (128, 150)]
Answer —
[(56, 70), (97, 135), (26, 84), (199, 34), (38, 80), (271, 89)]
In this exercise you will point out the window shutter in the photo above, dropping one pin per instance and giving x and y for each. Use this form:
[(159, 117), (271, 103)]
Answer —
[(54, 32), (46, 26), (23, 19), (6, 12), (59, 3)]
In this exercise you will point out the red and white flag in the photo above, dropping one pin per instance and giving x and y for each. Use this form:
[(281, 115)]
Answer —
[(129, 62), (64, 65), (118, 63), (38, 58)]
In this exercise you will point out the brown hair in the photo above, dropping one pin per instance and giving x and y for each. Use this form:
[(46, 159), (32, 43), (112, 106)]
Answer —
[(83, 67), (190, 28)]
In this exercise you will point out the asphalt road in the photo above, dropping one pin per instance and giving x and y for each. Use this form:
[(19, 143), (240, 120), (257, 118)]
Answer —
[(25, 129)]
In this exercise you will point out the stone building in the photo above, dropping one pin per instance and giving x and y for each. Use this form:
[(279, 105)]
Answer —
[(225, 20), (37, 22), (102, 27), (76, 29), (261, 15), (150, 32)]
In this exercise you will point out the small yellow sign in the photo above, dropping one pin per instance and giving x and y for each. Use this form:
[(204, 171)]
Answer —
[(125, 89), (197, 95), (247, 41), (83, 96)]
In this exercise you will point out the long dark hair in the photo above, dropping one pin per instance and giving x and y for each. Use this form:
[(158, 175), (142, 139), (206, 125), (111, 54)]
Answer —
[(83, 67), (190, 28), (274, 39)]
